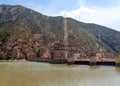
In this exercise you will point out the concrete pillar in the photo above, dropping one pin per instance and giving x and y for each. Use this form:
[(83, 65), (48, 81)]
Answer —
[(117, 64), (92, 63)]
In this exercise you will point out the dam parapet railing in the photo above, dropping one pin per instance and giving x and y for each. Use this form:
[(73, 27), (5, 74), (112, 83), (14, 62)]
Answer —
[(108, 62)]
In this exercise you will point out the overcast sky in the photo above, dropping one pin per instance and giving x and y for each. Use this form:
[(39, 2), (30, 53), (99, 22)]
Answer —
[(103, 12)]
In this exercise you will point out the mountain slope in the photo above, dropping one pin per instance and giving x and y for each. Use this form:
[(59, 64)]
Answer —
[(25, 33)]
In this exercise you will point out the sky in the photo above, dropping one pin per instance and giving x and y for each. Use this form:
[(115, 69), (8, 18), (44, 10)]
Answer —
[(102, 12)]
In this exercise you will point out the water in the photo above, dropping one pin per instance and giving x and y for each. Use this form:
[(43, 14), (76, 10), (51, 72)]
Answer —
[(43, 74)]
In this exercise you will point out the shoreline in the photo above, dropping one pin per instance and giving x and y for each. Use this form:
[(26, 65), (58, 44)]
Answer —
[(82, 63), (14, 60)]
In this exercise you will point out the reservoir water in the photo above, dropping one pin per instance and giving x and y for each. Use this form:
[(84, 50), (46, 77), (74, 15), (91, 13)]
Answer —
[(43, 74)]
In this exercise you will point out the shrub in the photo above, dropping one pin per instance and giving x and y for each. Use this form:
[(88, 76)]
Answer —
[(118, 59)]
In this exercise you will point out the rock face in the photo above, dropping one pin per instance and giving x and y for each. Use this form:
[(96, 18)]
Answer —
[(26, 34)]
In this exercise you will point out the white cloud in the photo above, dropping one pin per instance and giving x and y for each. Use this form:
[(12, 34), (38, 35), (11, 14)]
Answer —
[(104, 16)]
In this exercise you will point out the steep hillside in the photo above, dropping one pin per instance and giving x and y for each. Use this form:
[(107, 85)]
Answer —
[(25, 33), (108, 36)]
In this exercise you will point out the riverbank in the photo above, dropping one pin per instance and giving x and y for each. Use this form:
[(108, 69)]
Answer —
[(23, 60), (62, 61)]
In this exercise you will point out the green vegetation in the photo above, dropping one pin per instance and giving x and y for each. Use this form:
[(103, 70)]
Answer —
[(19, 24), (40, 52), (1, 57), (118, 59)]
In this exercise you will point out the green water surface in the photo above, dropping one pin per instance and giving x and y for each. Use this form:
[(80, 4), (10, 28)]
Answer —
[(43, 74)]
